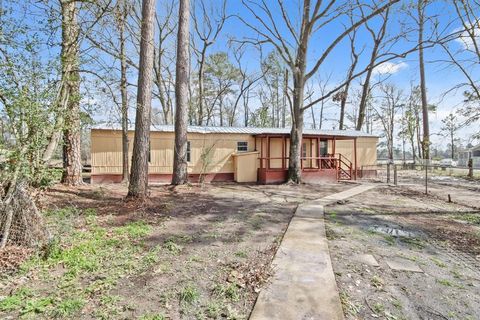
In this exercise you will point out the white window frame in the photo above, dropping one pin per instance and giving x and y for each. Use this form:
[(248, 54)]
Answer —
[(242, 146)]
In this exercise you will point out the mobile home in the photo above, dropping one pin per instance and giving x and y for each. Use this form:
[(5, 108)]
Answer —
[(250, 155)]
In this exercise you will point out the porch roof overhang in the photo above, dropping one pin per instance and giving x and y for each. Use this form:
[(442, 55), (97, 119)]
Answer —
[(306, 135)]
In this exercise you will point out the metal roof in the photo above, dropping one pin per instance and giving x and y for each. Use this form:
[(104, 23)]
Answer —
[(244, 130)]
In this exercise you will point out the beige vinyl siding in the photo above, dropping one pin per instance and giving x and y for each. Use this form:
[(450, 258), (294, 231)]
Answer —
[(366, 150), (107, 151)]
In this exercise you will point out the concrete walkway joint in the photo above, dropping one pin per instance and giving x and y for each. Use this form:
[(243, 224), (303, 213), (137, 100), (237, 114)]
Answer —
[(303, 285)]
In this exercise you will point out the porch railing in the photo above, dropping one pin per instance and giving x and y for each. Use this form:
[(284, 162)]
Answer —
[(337, 161), (326, 162)]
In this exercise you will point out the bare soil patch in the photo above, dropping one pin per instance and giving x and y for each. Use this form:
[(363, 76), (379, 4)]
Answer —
[(186, 253), (441, 238)]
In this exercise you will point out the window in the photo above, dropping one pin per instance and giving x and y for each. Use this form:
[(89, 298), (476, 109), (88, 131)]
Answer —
[(323, 148), (188, 151), (304, 150), (242, 146)]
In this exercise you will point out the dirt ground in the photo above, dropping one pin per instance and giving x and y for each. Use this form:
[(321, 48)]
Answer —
[(440, 184), (401, 223), (192, 253)]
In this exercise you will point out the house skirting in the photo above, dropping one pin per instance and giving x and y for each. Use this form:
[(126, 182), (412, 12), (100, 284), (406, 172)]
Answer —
[(163, 178), (267, 176), (367, 173)]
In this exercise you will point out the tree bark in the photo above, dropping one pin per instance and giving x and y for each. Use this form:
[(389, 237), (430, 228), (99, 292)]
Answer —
[(123, 90), (72, 161), (423, 85), (180, 174), (452, 146), (138, 186), (200, 85), (294, 163)]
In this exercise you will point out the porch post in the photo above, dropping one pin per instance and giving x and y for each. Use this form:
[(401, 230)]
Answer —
[(355, 157), (261, 152), (283, 152), (268, 152), (311, 152), (333, 145), (318, 152)]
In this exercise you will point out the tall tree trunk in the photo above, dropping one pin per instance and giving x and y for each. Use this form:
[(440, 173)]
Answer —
[(138, 186), (285, 94), (180, 174), (72, 160), (123, 90), (201, 86), (364, 99), (423, 85), (414, 153), (220, 105), (452, 145), (294, 163)]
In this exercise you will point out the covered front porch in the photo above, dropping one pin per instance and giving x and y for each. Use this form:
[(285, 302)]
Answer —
[(319, 159)]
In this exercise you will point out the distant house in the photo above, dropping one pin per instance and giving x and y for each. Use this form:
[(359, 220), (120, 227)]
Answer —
[(253, 155), (466, 154)]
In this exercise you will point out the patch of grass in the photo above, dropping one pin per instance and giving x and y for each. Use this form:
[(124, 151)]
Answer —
[(229, 291), (256, 222), (445, 282), (195, 258), (87, 253), (448, 283), (91, 259), (156, 316), (68, 307), (137, 229), (172, 247), (108, 307), (16, 300), (107, 300), (62, 213), (470, 218), (389, 239), (90, 216), (241, 254), (411, 258), (438, 262), (378, 308), (151, 257), (189, 294), (349, 307), (456, 274), (36, 305), (377, 282), (413, 242), (397, 304), (213, 309), (182, 238)]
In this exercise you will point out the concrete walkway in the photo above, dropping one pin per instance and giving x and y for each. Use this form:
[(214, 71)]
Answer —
[(303, 285)]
